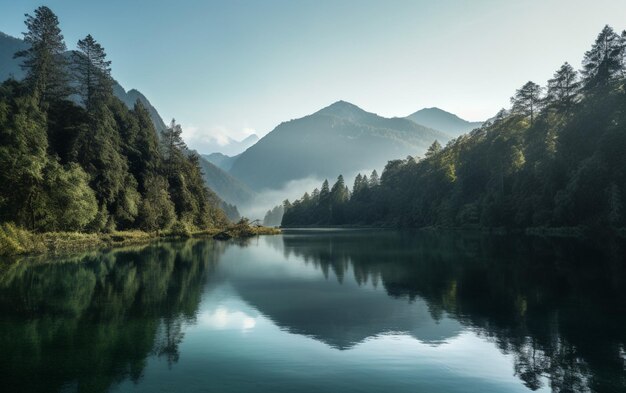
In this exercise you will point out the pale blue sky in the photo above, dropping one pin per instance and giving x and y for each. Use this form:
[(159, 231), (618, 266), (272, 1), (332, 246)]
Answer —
[(226, 68)]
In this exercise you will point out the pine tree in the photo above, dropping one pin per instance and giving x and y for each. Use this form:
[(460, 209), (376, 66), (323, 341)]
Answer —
[(604, 60), (92, 71), (358, 184), (433, 149), (44, 61), (145, 157), (563, 87), (527, 100), (325, 191), (172, 147), (338, 192), (374, 179)]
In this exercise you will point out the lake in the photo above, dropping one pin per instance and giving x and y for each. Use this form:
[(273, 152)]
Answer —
[(320, 311)]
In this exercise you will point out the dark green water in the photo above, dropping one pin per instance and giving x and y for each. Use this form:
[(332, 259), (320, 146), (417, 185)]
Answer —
[(329, 311)]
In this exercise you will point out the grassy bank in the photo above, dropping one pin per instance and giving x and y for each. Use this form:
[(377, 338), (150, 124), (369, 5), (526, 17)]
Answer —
[(18, 241)]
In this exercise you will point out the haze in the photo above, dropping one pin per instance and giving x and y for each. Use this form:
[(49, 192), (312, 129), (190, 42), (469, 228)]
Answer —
[(227, 69)]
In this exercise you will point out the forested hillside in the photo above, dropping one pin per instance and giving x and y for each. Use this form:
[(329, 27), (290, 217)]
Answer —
[(555, 159), (89, 164)]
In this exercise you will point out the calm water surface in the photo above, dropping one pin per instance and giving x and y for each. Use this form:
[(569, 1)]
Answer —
[(320, 311)]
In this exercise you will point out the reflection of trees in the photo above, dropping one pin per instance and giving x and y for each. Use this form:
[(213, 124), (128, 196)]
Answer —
[(92, 320), (555, 305)]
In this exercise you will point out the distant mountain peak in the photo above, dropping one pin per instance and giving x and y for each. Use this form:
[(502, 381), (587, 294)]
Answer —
[(340, 138), (250, 138), (442, 120), (344, 110), (341, 106)]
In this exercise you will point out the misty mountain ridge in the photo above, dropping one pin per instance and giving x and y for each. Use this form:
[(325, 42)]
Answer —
[(340, 138), (221, 160), (223, 184), (231, 147), (441, 120)]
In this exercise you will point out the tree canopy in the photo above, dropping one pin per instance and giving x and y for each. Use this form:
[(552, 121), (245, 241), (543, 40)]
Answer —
[(553, 160), (92, 166)]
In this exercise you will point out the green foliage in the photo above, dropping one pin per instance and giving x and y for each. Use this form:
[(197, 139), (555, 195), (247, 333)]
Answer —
[(181, 229), (92, 72), (43, 60), (604, 61), (96, 167), (70, 203), (156, 210), (14, 240), (553, 162)]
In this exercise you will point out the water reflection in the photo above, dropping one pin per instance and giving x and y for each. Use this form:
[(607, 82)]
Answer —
[(557, 305), (233, 311), (84, 323)]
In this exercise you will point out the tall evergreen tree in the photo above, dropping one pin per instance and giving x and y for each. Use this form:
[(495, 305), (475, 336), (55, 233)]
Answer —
[(338, 192), (172, 147), (325, 191), (604, 60), (374, 179), (563, 87), (92, 71), (527, 100), (358, 184), (44, 62), (433, 149)]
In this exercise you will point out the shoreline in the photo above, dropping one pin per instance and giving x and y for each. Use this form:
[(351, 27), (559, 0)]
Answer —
[(24, 243), (579, 232)]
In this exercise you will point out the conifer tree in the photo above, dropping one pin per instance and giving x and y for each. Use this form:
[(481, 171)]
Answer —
[(44, 62), (433, 149), (374, 179), (563, 87), (92, 71), (338, 192), (604, 60), (358, 184), (527, 100), (172, 147)]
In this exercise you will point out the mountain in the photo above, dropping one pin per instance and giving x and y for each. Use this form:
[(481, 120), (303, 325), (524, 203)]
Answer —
[(228, 147), (328, 304), (341, 138), (224, 185), (10, 67), (131, 96), (441, 120), (221, 160)]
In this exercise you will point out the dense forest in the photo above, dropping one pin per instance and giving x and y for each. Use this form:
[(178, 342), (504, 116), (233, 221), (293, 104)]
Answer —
[(554, 159), (75, 158)]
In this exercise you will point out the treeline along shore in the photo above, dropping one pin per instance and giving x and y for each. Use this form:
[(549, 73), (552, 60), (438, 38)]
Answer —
[(552, 163), (80, 167)]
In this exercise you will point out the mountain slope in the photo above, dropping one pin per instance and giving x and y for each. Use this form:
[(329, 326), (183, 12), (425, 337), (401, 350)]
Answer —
[(230, 147), (341, 138), (224, 185), (10, 67), (443, 121), (221, 160), (131, 96)]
